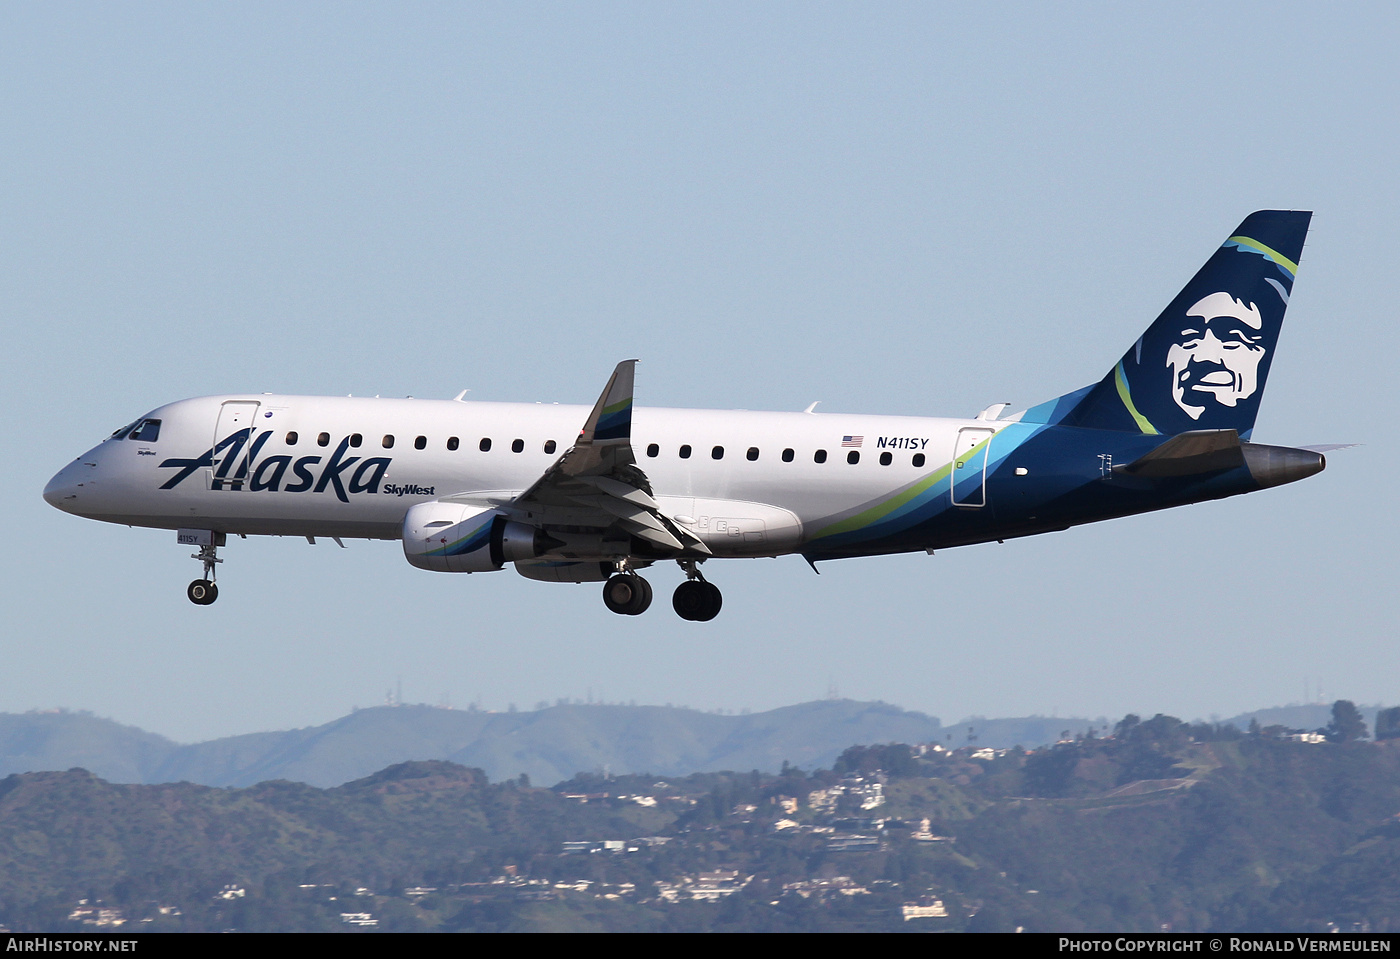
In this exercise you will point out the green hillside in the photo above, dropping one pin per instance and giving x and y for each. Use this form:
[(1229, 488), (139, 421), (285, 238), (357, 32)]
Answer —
[(1161, 825)]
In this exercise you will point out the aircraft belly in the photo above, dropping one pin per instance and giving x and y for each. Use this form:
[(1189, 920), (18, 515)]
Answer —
[(736, 527), (258, 526)]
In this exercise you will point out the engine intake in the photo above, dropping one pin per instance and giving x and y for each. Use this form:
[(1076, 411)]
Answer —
[(455, 538)]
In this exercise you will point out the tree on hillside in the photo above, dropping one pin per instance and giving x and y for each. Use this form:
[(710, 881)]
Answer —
[(1049, 771), (1346, 724), (897, 759), (1162, 730), (1388, 723)]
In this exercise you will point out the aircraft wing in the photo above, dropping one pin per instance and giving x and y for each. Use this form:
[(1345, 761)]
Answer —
[(597, 482)]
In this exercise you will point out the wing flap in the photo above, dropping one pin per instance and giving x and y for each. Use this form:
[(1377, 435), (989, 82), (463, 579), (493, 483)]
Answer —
[(655, 534), (621, 490)]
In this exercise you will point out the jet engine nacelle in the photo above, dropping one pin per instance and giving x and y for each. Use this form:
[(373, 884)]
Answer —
[(456, 538)]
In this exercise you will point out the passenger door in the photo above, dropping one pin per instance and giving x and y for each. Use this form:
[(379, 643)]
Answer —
[(228, 468), (969, 467)]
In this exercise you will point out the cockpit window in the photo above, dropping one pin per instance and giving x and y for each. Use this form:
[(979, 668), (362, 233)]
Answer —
[(147, 431), (121, 433)]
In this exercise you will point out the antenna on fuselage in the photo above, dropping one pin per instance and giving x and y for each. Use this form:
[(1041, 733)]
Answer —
[(812, 408), (458, 397)]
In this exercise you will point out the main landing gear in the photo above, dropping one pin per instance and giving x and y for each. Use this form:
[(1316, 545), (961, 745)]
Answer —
[(696, 599), (628, 594), (204, 591)]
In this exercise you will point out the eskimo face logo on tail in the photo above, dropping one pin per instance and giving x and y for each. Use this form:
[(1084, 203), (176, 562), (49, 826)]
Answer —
[(1216, 356)]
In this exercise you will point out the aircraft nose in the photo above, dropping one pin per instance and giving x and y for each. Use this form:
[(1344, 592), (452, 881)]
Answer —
[(62, 491)]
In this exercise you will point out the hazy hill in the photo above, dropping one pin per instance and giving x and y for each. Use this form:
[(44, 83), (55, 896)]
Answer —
[(59, 739), (1027, 731), (1301, 716), (548, 745)]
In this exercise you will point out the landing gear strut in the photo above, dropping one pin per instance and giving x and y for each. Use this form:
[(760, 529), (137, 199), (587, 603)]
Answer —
[(627, 594), (696, 599), (204, 591)]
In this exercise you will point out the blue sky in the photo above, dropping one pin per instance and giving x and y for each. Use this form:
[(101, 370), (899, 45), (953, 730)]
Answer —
[(916, 209)]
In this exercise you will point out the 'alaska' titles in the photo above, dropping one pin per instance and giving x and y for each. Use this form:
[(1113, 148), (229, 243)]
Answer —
[(232, 468)]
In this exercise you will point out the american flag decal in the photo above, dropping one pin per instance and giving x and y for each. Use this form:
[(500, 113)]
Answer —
[(854, 441)]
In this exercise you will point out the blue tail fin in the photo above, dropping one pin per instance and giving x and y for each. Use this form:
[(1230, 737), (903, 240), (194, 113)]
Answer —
[(1203, 363)]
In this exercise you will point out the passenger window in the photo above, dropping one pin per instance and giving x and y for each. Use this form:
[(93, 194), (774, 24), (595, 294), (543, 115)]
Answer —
[(356, 439), (886, 458), (819, 456), (518, 446), (453, 442), (550, 446), (292, 438), (717, 453), (653, 450), (485, 444), (421, 443), (684, 452), (787, 455), (853, 457), (918, 459), (323, 439), (752, 454), (388, 441)]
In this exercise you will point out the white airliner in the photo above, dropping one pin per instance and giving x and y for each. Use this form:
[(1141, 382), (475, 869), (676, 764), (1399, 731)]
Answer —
[(566, 494)]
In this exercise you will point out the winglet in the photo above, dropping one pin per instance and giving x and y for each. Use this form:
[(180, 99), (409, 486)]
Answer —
[(610, 423)]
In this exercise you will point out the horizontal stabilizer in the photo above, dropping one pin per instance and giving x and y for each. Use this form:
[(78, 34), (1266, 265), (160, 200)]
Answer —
[(1188, 454), (1329, 447)]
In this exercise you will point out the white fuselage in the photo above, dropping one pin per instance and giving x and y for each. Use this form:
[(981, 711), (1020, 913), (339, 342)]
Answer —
[(352, 467)]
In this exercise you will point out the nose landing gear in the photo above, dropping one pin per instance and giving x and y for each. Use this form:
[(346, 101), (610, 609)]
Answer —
[(204, 591)]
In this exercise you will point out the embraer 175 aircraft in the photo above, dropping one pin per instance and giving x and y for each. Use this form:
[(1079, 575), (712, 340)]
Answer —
[(470, 487)]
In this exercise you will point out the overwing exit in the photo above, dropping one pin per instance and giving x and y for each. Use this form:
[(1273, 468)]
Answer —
[(601, 494)]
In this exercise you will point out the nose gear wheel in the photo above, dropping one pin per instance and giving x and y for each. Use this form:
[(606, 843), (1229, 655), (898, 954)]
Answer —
[(202, 592)]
